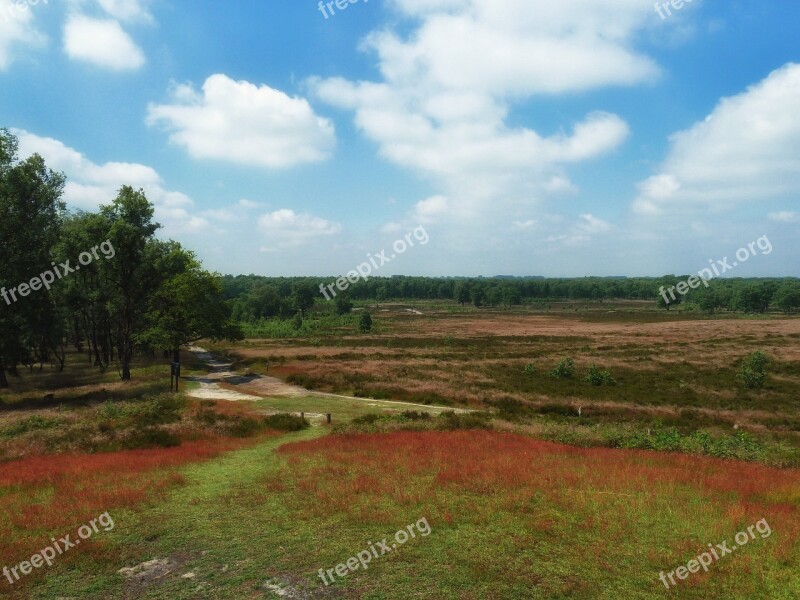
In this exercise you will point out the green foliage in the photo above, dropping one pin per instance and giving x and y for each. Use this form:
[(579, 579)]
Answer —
[(565, 369), (753, 370), (297, 322), (342, 304), (32, 423), (286, 422), (598, 377), (365, 323), (530, 369)]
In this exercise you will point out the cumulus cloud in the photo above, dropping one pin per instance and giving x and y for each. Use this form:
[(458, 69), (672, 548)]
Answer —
[(285, 228), (90, 184), (746, 150), (16, 29), (447, 87), (101, 42), (785, 216), (127, 10), (240, 122)]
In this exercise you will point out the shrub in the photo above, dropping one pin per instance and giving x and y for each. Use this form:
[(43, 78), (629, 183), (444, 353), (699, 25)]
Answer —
[(32, 423), (286, 422), (530, 369), (413, 415), (565, 369), (366, 419), (450, 421), (365, 323), (752, 373), (597, 377)]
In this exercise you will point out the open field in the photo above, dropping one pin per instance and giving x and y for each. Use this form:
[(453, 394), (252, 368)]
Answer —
[(214, 501), (673, 371)]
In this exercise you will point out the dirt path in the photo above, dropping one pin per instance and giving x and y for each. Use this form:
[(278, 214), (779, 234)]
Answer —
[(254, 387)]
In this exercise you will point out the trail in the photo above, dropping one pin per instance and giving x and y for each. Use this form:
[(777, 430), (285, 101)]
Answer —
[(254, 387)]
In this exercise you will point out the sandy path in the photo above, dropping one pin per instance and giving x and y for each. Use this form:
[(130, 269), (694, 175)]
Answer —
[(255, 387)]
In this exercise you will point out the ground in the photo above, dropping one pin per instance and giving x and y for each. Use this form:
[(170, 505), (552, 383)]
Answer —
[(239, 511)]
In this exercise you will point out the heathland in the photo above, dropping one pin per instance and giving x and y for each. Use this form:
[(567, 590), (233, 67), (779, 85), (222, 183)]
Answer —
[(558, 450)]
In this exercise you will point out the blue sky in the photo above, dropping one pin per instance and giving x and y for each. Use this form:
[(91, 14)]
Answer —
[(569, 138)]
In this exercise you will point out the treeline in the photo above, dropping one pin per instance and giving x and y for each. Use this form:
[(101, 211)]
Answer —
[(99, 282), (254, 297)]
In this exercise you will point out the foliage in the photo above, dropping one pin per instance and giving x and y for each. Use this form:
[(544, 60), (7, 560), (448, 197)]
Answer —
[(753, 370), (598, 377), (565, 369), (365, 323)]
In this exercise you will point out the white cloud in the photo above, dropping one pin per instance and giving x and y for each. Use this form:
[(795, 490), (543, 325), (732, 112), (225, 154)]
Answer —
[(101, 42), (583, 231), (785, 217), (89, 184), (449, 85), (127, 10), (285, 228), (429, 210), (16, 29), (239, 122), (746, 150)]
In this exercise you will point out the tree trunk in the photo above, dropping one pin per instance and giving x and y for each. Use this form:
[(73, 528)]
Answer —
[(3, 378)]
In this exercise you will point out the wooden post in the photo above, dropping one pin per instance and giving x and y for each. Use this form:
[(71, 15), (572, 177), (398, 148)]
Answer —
[(329, 418), (303, 416)]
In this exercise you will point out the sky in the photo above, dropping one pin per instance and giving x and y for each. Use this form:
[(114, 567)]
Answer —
[(562, 138)]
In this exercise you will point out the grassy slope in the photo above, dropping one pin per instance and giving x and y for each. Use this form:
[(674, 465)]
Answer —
[(511, 518)]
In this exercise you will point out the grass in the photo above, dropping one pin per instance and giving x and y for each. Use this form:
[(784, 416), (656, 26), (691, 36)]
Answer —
[(519, 518)]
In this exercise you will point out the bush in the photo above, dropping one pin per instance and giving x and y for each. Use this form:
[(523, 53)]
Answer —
[(511, 409), (286, 422), (365, 323), (413, 415), (33, 423), (450, 421), (752, 373), (530, 369), (565, 369), (597, 377), (366, 419)]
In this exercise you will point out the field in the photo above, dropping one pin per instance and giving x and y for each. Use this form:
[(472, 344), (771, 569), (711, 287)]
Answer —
[(537, 487)]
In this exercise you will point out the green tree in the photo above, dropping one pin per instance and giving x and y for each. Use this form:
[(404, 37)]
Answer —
[(365, 323), (303, 297), (30, 215), (787, 297), (188, 304), (130, 279), (343, 304)]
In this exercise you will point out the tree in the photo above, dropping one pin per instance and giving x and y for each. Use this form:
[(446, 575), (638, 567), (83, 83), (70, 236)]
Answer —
[(753, 298), (788, 297), (303, 297), (188, 304), (30, 215), (462, 292), (131, 280), (365, 323), (343, 304)]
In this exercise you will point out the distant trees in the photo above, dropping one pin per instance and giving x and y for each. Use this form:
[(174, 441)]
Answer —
[(787, 298), (116, 290)]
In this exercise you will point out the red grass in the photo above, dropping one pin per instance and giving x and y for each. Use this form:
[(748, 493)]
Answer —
[(45, 496)]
